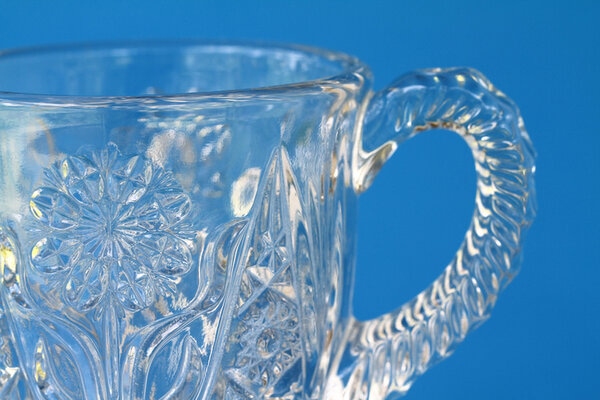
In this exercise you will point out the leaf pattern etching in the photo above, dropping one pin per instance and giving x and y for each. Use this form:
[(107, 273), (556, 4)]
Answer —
[(108, 236), (112, 240), (115, 226), (10, 370)]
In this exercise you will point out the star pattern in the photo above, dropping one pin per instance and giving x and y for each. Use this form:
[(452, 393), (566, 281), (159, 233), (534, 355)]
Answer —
[(266, 343), (113, 230)]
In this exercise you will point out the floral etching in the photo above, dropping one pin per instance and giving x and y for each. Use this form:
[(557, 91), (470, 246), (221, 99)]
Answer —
[(115, 226)]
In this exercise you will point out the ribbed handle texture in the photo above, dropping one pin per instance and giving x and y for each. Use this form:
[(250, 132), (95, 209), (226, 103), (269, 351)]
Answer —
[(385, 355)]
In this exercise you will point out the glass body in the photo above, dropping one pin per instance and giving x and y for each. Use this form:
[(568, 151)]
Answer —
[(177, 222)]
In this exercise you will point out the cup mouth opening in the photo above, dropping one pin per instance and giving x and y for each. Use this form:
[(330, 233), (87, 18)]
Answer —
[(185, 71)]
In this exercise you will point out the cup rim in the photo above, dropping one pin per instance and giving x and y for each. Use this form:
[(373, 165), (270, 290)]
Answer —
[(352, 71)]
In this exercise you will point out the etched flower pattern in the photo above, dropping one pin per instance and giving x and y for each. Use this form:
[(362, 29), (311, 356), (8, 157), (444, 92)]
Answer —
[(114, 225)]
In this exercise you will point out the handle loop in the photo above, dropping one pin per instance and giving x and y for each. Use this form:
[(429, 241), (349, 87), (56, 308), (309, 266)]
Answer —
[(385, 355)]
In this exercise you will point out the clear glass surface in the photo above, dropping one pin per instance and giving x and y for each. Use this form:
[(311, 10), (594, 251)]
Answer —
[(177, 221)]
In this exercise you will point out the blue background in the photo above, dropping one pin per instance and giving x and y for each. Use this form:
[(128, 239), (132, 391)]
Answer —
[(542, 341)]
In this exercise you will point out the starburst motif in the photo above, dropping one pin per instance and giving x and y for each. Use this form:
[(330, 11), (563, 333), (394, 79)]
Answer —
[(113, 229), (268, 337), (265, 351)]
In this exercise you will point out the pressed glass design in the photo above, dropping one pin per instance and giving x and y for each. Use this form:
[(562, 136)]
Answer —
[(177, 221)]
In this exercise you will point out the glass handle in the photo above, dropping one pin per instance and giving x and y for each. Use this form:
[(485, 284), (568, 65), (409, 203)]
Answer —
[(384, 356)]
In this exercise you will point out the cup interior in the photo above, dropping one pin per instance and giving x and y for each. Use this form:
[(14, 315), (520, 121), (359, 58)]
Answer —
[(155, 69)]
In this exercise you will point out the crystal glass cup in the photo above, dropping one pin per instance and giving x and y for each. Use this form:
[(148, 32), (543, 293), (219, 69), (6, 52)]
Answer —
[(177, 221)]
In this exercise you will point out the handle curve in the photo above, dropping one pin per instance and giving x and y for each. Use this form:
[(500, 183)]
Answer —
[(383, 356)]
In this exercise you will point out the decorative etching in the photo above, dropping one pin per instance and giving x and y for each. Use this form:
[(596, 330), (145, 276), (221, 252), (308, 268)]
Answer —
[(265, 356), (109, 244), (113, 231), (116, 301)]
